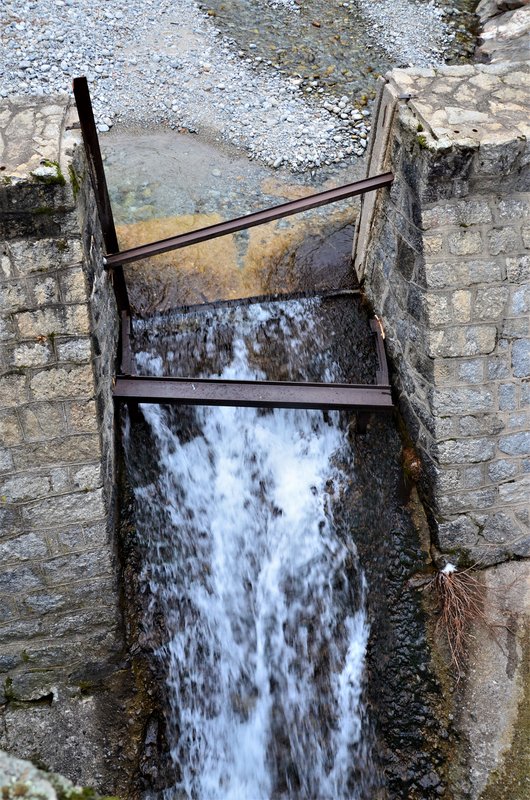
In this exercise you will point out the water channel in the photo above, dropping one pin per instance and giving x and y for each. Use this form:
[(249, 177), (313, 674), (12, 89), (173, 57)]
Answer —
[(275, 549)]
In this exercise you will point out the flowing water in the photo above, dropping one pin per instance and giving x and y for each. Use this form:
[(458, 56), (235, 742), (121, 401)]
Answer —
[(255, 592)]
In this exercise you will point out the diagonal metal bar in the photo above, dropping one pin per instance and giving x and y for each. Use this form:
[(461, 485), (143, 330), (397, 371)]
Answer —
[(250, 220), (99, 184), (257, 394)]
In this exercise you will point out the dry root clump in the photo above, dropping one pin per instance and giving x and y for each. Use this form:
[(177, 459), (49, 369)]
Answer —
[(459, 598)]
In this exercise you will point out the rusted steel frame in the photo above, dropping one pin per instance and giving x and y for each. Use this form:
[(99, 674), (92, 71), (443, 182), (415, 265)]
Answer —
[(250, 220), (99, 184), (256, 394)]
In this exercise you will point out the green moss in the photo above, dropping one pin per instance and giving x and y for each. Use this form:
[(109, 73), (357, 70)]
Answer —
[(61, 245), (49, 210), (422, 141), (74, 180), (57, 179), (6, 180), (8, 689), (420, 127), (25, 656)]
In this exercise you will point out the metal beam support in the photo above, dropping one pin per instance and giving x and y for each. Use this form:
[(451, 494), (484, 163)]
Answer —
[(256, 394), (250, 220), (99, 184)]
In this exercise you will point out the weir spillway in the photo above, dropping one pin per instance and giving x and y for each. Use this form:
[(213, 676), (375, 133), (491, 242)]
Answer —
[(253, 592)]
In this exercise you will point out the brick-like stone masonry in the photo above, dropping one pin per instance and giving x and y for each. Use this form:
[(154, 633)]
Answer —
[(59, 617), (445, 259)]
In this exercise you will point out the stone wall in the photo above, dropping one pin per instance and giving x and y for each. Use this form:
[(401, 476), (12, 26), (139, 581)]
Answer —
[(445, 259), (61, 659)]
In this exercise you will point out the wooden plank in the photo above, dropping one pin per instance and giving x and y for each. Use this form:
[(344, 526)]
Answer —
[(256, 394)]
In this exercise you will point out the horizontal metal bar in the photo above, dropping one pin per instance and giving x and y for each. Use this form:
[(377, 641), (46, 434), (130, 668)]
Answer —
[(250, 220), (257, 394)]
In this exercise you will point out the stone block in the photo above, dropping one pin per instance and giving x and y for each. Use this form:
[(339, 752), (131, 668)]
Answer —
[(80, 566), (461, 304), (469, 340), (18, 579), (485, 424), (474, 477), (457, 533), (12, 390), (76, 507), (490, 303), (43, 421), (44, 254), (33, 355), (466, 451), (45, 291), (78, 449), (518, 268), (28, 547), (462, 212), (516, 328), (10, 430), (460, 502), (525, 232), (520, 301), (433, 244), (515, 444), (499, 528), (517, 420), (87, 477), (514, 208), (471, 370), (521, 358), (6, 461), (501, 470), (74, 350), (438, 308), (62, 320), (75, 595), (461, 400), (62, 383), (73, 286), (516, 491), (13, 297), (498, 368), (465, 242), (504, 240), (461, 274), (24, 486), (507, 397), (82, 417)]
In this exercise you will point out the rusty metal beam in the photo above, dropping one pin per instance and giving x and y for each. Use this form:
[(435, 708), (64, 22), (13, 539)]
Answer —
[(250, 220), (99, 184), (257, 394)]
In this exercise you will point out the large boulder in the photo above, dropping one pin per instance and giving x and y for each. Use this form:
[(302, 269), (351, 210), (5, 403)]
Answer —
[(506, 37)]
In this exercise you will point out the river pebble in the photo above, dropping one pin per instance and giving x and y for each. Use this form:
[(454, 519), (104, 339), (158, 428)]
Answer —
[(163, 62)]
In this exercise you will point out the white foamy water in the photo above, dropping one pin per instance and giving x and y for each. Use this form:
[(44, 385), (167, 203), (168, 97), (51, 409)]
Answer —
[(262, 602)]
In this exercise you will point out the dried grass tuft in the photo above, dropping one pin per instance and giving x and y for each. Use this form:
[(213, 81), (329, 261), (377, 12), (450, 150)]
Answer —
[(459, 597)]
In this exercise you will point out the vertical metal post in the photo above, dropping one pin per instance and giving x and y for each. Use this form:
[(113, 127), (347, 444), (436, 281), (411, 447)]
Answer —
[(99, 184)]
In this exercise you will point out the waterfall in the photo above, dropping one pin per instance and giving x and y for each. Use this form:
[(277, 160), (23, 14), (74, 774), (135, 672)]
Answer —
[(257, 594)]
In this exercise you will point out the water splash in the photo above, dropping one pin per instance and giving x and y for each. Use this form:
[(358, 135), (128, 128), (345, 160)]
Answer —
[(259, 599)]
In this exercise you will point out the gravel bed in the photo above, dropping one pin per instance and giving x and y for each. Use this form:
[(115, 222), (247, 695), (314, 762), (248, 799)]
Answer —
[(154, 62)]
